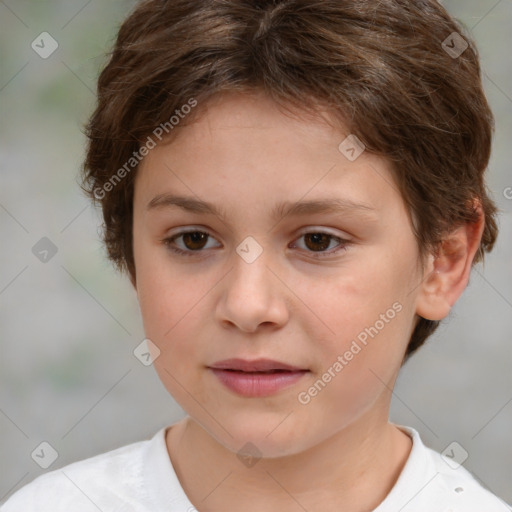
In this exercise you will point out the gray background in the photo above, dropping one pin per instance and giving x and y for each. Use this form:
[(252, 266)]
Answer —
[(68, 327)]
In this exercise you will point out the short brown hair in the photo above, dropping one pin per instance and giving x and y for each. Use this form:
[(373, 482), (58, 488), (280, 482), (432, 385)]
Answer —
[(384, 68)]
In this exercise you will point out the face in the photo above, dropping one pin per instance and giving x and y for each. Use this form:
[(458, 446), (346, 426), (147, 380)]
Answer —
[(317, 304)]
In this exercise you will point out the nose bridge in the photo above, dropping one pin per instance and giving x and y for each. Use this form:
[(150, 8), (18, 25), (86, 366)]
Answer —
[(251, 294), (250, 267)]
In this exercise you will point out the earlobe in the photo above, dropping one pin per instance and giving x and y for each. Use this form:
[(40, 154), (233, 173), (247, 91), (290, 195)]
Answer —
[(448, 272)]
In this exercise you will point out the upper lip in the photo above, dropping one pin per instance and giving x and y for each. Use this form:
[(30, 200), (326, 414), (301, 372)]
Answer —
[(255, 365)]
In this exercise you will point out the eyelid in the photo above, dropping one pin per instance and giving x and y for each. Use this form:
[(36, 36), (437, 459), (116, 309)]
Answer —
[(319, 229)]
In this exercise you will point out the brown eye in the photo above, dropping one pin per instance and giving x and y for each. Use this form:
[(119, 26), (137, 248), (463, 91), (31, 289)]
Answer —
[(195, 240), (317, 241), (192, 244)]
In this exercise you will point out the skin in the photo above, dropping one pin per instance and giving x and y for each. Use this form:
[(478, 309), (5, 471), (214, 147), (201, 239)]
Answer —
[(338, 451)]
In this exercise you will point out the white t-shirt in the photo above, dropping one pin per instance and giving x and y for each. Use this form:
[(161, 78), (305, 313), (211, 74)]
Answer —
[(140, 478)]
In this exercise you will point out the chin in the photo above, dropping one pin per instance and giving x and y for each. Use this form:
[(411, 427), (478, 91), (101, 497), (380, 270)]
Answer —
[(267, 435)]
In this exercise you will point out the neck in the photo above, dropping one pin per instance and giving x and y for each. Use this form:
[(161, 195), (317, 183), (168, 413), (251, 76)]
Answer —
[(353, 470)]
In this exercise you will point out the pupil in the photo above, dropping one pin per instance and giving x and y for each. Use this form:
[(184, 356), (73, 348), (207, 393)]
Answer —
[(317, 239), (195, 237)]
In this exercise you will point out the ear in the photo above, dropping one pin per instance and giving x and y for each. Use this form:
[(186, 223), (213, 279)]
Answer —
[(447, 273)]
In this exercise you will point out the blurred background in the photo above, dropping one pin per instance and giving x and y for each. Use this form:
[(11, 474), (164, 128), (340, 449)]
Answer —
[(69, 323)]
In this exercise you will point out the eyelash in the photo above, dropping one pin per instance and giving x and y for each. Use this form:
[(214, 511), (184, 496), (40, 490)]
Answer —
[(168, 242)]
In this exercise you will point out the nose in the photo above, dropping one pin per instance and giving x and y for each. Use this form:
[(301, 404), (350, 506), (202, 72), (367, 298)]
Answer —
[(253, 295)]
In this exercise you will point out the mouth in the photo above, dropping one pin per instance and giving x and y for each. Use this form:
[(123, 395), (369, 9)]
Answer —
[(254, 366), (256, 378)]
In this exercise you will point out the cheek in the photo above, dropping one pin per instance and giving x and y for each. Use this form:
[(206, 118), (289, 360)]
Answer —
[(163, 291), (358, 366), (369, 312), (169, 312), (361, 296), (172, 304), (169, 316)]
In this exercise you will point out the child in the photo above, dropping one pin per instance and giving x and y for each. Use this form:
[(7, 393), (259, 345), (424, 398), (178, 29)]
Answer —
[(296, 190)]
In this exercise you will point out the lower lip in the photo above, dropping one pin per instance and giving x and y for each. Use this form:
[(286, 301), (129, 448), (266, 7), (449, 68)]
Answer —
[(257, 384)]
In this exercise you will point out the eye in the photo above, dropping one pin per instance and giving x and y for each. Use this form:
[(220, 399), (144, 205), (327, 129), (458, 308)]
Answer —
[(319, 241), (194, 241)]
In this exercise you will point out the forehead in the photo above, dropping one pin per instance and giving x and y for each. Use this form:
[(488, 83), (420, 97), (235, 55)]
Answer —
[(235, 113), (243, 149)]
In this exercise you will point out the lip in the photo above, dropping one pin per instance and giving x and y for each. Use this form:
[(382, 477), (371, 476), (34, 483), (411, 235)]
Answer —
[(255, 365), (256, 378)]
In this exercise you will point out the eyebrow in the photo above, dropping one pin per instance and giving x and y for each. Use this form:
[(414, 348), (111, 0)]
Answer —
[(282, 209)]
